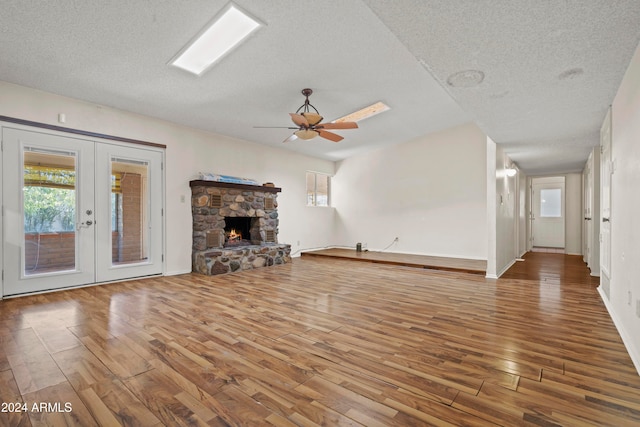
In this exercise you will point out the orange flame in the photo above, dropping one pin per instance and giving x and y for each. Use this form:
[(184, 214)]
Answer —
[(234, 235)]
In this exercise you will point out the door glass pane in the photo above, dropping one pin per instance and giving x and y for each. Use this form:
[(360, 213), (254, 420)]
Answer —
[(49, 206), (551, 203), (129, 215)]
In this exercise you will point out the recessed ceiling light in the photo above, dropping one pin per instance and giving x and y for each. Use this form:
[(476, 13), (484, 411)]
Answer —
[(225, 32), (466, 78), (364, 113)]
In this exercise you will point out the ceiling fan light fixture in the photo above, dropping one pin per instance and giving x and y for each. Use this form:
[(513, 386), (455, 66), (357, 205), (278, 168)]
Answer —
[(364, 113), (227, 31), (313, 118), (306, 134), (309, 124)]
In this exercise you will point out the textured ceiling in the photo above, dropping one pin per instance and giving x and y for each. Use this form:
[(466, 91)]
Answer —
[(550, 67)]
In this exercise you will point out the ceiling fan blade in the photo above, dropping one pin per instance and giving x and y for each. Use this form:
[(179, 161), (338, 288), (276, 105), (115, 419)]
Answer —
[(341, 125), (291, 138), (299, 119), (330, 135)]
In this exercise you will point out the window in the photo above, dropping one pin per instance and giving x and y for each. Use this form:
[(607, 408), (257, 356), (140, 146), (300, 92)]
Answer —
[(318, 185), (551, 203)]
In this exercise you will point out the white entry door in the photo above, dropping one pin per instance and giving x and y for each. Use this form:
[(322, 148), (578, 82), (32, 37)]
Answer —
[(77, 212), (548, 212)]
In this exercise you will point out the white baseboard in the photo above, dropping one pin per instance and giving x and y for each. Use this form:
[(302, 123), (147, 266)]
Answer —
[(508, 266), (626, 339), (177, 272), (432, 254)]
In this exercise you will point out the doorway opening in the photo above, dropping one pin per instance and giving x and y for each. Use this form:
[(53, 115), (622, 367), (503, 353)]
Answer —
[(547, 214)]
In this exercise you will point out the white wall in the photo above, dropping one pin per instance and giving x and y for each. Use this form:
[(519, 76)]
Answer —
[(506, 205), (573, 214), (188, 152), (492, 194), (625, 205), (429, 192), (523, 214)]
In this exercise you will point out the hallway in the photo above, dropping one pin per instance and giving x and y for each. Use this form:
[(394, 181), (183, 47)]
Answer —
[(552, 268)]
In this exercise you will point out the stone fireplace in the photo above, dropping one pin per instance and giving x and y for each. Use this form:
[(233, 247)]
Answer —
[(235, 227)]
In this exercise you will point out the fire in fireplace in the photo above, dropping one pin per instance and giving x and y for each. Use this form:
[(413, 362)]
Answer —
[(234, 236), (240, 231)]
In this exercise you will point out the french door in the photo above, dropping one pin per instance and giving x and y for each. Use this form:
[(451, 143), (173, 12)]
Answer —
[(78, 212)]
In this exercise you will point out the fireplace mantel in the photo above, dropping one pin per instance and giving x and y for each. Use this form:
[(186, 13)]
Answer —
[(246, 187)]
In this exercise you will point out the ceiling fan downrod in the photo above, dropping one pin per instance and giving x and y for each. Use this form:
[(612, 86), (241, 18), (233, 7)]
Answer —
[(305, 107)]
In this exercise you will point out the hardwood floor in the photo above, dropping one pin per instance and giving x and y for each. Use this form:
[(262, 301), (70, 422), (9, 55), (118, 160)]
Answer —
[(318, 342), (473, 266), (552, 268)]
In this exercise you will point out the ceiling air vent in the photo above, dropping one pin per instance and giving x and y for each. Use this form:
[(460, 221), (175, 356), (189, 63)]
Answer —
[(215, 201)]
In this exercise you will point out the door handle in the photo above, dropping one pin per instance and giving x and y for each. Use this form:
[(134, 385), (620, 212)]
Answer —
[(587, 219), (605, 220), (86, 224)]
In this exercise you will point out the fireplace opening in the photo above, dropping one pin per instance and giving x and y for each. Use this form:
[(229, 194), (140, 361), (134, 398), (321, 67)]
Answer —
[(241, 231)]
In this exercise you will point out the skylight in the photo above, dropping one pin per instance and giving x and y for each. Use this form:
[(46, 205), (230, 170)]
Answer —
[(364, 113), (226, 31)]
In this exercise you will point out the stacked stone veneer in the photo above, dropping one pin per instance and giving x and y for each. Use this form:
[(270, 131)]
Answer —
[(211, 202)]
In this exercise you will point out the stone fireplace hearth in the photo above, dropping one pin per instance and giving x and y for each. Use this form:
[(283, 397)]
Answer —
[(235, 227)]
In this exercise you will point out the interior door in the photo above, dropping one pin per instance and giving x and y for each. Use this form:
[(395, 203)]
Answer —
[(548, 217), (605, 203), (587, 210), (48, 222)]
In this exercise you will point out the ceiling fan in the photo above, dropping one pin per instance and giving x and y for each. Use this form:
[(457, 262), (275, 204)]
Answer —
[(309, 123)]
